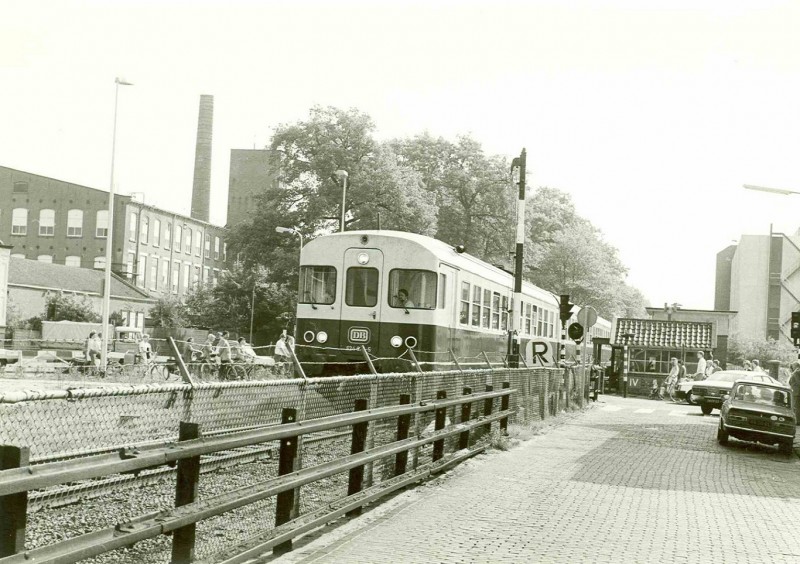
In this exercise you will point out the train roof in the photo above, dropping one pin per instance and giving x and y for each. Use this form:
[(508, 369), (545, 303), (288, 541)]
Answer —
[(447, 253)]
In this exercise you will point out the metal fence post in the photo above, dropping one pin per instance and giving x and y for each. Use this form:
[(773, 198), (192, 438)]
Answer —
[(284, 505), (14, 507), (542, 398), (441, 417), (466, 413), (488, 403), (358, 442), (504, 401), (188, 476), (403, 424)]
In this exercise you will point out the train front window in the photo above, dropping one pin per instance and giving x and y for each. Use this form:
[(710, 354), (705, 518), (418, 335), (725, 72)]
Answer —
[(362, 287), (412, 289), (317, 285)]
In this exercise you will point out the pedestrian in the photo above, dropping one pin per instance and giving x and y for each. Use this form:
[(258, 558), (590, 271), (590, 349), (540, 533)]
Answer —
[(756, 365), (700, 374), (794, 384), (746, 365), (224, 349), (145, 349), (681, 371), (92, 349), (190, 352)]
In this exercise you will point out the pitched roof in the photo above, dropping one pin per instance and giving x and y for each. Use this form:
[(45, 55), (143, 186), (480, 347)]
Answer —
[(33, 273), (650, 333)]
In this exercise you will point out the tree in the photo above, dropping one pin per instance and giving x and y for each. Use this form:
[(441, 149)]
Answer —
[(168, 312), (763, 350), (60, 306)]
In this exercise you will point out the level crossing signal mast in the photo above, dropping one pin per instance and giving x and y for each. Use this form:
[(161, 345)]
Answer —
[(795, 333), (565, 311)]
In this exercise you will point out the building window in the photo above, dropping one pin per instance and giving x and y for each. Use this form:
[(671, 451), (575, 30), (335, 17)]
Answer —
[(145, 234), (186, 268), (167, 235), (215, 275), (19, 221), (99, 262), (20, 187), (176, 275), (187, 241), (164, 283), (141, 271), (101, 224), (75, 223), (156, 232), (196, 277), (178, 236), (47, 223), (208, 246), (73, 261), (130, 265), (197, 242), (45, 258), (216, 248), (206, 275), (132, 227), (153, 273), (224, 252)]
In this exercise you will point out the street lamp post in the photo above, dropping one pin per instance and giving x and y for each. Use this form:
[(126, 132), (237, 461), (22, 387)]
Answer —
[(110, 232), (291, 230), (340, 177)]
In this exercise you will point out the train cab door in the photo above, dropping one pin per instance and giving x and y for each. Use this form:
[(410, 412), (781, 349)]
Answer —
[(363, 299)]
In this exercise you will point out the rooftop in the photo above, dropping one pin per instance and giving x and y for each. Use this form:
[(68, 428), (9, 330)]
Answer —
[(650, 333)]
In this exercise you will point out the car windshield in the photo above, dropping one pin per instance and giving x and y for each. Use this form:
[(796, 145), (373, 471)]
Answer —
[(764, 395)]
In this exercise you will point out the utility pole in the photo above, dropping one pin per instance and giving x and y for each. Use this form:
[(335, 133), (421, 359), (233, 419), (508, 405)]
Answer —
[(518, 166)]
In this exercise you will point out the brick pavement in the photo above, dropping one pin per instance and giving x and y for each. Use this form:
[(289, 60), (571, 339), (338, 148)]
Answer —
[(630, 480)]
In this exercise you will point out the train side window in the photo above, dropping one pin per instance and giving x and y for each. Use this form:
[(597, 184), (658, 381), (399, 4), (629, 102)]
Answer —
[(476, 305), (317, 285), (528, 319), (420, 288), (362, 287), (504, 315), (463, 315), (495, 310), (442, 290), (487, 308)]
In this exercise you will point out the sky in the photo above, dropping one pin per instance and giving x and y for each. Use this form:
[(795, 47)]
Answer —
[(652, 115)]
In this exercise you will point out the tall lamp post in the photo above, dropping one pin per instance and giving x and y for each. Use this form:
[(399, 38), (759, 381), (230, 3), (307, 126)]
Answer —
[(110, 232), (291, 230), (340, 177)]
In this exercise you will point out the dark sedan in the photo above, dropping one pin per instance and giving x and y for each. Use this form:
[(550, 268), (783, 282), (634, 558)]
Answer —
[(709, 393), (758, 412)]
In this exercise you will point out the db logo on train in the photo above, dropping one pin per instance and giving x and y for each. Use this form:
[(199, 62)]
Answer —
[(358, 335)]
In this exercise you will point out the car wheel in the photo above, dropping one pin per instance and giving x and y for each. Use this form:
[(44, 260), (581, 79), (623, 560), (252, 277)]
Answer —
[(706, 409), (689, 399), (786, 447), (722, 435)]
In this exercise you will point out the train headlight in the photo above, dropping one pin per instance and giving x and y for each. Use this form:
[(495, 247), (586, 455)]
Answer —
[(396, 341), (363, 258), (322, 337), (308, 336), (411, 342)]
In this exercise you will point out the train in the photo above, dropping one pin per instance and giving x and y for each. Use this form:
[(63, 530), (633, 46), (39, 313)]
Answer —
[(406, 297)]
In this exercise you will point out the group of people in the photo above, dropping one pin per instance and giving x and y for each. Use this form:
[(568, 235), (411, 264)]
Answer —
[(218, 348)]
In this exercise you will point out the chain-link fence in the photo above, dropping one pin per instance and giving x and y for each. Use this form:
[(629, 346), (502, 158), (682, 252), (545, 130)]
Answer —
[(75, 423)]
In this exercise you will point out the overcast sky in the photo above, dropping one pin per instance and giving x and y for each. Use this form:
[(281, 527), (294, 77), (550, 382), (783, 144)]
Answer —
[(652, 114)]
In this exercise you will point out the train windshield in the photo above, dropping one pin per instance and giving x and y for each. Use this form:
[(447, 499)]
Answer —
[(362, 287), (317, 284), (412, 289)]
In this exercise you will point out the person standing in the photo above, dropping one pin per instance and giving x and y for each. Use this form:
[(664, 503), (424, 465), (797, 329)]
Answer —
[(224, 349), (794, 384), (700, 374)]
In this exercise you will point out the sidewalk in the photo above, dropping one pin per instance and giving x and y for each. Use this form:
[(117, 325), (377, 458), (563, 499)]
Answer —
[(630, 480)]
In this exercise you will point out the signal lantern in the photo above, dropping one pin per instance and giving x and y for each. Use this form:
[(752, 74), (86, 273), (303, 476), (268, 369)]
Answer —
[(565, 308)]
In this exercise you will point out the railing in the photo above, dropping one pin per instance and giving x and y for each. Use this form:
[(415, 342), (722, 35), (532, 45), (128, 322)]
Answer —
[(15, 483), (88, 458)]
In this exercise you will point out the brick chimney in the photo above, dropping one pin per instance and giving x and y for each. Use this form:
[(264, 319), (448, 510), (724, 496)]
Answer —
[(201, 188)]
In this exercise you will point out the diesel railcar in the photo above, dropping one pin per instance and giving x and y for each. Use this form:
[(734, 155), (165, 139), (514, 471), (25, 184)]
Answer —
[(390, 291)]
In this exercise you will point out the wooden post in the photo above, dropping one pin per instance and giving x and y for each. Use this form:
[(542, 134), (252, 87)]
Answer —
[(504, 401), (441, 417), (13, 507), (284, 506), (358, 442), (403, 424), (185, 376), (466, 413), (188, 477), (487, 408)]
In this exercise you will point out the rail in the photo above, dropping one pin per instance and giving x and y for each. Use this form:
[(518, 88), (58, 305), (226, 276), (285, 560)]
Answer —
[(18, 483)]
